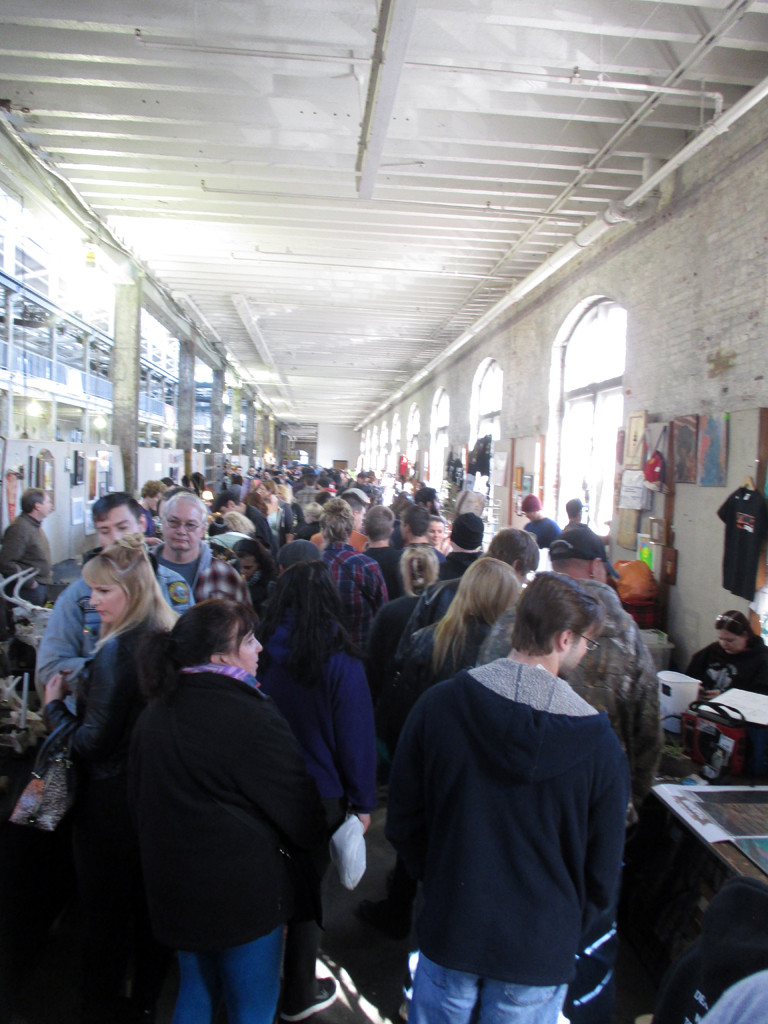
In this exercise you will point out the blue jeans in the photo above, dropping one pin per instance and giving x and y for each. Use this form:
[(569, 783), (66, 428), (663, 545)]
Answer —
[(247, 976), (445, 996)]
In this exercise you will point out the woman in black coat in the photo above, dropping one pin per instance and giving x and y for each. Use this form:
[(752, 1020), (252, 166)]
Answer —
[(227, 816), (129, 602)]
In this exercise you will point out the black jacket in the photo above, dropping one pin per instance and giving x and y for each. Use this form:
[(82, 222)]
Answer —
[(416, 674), (108, 706), (457, 563), (220, 795), (733, 944), (718, 670)]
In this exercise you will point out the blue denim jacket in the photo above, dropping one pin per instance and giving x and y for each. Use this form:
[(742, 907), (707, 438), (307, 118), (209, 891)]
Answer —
[(73, 627)]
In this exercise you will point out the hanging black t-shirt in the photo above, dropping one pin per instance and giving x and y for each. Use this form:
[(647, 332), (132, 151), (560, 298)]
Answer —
[(746, 524)]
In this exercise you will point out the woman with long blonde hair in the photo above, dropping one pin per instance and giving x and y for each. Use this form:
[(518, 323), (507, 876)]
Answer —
[(130, 604), (439, 651), (434, 653), (419, 568)]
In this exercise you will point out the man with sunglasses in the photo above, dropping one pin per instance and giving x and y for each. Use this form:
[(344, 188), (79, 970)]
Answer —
[(738, 659), (507, 799), (620, 679)]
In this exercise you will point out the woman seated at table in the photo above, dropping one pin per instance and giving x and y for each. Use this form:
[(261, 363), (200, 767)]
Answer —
[(737, 661)]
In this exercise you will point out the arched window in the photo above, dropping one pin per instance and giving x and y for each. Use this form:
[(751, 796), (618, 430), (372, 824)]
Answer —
[(381, 460), (395, 447), (439, 421), (593, 361), (485, 404), (413, 430), (373, 453), (361, 461)]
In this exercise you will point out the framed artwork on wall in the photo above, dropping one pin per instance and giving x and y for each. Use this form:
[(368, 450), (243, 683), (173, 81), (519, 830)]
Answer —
[(713, 450), (685, 439), (633, 441)]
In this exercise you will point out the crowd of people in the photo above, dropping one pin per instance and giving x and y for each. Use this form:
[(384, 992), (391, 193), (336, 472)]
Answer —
[(246, 669)]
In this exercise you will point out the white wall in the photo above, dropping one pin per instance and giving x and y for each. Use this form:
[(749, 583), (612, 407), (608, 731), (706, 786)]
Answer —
[(337, 443), (103, 471), (155, 463)]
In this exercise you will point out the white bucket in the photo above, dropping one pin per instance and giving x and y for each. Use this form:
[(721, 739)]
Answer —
[(676, 692)]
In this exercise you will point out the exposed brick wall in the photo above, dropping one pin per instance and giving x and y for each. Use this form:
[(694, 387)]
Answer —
[(694, 281)]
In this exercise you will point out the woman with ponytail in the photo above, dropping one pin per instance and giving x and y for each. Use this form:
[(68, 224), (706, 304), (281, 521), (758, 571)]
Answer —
[(130, 605), (229, 821)]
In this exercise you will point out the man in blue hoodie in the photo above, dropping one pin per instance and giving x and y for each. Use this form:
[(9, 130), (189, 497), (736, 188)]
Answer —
[(507, 799)]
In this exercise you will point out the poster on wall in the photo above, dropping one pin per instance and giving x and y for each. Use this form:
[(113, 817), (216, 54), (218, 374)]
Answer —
[(44, 472), (12, 493), (79, 468), (634, 441), (93, 479), (685, 441), (499, 469), (713, 450)]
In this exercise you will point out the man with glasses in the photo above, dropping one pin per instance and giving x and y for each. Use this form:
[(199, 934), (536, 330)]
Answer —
[(185, 519), (73, 627), (507, 799)]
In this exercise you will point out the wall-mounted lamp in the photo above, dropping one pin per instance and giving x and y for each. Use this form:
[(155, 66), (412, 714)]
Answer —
[(99, 422)]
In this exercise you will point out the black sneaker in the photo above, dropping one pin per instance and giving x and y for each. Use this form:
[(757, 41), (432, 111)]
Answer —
[(380, 914), (325, 995)]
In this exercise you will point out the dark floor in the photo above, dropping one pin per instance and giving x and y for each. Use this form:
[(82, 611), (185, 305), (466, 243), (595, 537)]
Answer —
[(368, 967)]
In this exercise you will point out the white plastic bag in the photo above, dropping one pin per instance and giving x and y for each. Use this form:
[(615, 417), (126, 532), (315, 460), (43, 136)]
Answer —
[(347, 847)]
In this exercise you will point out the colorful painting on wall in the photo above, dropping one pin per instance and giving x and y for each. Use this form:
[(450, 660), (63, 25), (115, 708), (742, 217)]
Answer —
[(713, 450), (685, 435)]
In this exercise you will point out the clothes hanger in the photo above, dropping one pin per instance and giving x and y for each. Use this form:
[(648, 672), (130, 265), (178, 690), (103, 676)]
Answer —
[(749, 482)]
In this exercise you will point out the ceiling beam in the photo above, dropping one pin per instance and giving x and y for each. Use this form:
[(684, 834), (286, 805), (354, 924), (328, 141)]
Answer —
[(392, 35)]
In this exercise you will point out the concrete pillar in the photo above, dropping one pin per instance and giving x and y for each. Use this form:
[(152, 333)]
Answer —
[(126, 377), (250, 428), (237, 405), (258, 434), (217, 413), (9, 311), (185, 403)]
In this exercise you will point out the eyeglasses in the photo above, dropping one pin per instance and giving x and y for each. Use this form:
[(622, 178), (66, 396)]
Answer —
[(176, 524), (592, 645), (730, 625)]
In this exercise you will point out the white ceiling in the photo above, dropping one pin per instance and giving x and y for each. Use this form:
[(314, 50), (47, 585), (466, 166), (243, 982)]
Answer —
[(338, 189)]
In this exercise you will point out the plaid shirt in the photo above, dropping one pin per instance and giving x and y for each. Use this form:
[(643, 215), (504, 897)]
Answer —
[(216, 578), (361, 586)]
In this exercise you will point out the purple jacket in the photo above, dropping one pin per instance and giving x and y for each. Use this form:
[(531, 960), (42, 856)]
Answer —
[(333, 722)]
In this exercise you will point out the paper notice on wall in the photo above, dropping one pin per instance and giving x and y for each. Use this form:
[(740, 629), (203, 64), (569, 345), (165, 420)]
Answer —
[(632, 492), (499, 469)]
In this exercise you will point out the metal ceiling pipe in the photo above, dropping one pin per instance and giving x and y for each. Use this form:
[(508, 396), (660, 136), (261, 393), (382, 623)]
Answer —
[(602, 223)]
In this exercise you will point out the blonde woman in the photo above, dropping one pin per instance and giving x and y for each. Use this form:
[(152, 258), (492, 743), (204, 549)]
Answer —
[(434, 653), (419, 568), (232, 528), (437, 652), (278, 513), (130, 604)]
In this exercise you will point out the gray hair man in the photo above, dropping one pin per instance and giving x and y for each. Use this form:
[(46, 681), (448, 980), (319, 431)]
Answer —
[(185, 519)]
